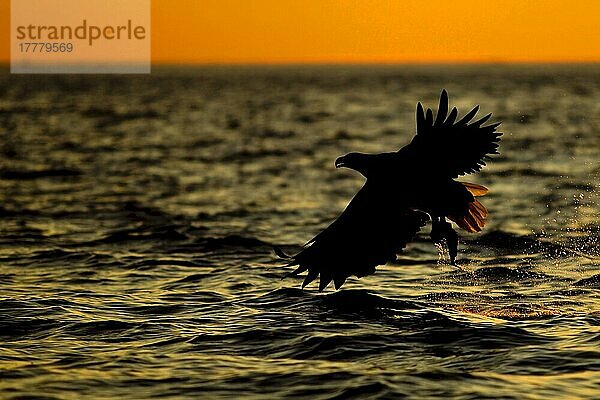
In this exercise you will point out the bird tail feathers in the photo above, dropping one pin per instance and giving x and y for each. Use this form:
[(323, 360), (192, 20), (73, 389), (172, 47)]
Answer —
[(474, 189), (474, 219)]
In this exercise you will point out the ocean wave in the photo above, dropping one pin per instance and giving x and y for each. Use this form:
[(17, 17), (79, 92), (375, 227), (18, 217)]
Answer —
[(29, 174), (592, 281), (139, 216)]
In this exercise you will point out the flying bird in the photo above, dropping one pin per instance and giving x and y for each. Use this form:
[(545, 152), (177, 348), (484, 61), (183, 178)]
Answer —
[(402, 192)]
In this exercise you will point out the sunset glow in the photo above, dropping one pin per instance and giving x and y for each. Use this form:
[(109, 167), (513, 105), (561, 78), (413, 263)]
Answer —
[(288, 31)]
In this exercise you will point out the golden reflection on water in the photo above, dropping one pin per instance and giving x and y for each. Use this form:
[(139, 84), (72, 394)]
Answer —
[(138, 224), (510, 313)]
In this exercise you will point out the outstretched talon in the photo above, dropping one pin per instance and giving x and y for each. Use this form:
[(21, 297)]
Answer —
[(452, 241), (440, 230), (436, 230)]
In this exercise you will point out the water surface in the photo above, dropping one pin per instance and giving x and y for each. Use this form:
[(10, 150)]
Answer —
[(139, 215)]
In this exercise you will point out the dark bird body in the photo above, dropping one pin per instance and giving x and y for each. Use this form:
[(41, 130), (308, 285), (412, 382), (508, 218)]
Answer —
[(403, 190)]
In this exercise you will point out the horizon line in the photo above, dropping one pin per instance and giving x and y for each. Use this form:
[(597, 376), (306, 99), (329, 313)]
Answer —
[(374, 62), (171, 63)]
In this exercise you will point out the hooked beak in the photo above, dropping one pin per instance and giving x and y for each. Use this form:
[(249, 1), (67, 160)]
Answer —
[(339, 162)]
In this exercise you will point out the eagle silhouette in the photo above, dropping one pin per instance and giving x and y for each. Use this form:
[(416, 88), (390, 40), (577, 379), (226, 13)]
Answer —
[(403, 191)]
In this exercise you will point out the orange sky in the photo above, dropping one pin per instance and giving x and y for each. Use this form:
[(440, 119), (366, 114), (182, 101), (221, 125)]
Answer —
[(279, 31)]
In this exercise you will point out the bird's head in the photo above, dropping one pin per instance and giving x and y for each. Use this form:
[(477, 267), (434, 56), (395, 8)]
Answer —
[(360, 162)]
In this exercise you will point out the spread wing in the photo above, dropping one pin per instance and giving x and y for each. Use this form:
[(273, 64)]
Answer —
[(449, 146), (370, 231)]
